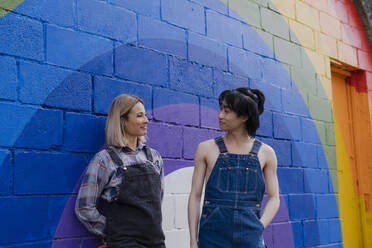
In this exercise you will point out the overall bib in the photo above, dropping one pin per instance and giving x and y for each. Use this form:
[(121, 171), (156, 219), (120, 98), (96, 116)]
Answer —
[(133, 219), (231, 212)]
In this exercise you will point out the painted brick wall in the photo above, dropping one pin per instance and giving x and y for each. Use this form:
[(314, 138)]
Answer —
[(62, 63)]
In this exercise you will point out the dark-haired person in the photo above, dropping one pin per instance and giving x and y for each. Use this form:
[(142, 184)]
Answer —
[(236, 169), (128, 176)]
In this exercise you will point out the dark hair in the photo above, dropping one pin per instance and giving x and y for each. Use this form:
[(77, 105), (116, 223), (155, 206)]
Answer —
[(245, 102)]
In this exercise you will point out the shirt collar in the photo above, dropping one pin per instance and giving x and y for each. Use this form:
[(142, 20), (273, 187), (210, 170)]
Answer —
[(140, 146)]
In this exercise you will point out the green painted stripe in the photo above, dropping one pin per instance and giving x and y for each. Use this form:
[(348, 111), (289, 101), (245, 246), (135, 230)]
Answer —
[(8, 5)]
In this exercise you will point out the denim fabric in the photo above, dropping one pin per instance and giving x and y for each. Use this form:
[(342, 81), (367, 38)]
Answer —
[(232, 201)]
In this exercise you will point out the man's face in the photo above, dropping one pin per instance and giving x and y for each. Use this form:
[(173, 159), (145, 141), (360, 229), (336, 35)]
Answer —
[(229, 120)]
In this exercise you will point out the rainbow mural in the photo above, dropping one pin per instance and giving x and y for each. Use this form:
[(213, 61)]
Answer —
[(62, 62)]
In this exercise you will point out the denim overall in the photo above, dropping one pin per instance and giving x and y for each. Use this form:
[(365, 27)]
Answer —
[(231, 212), (133, 219)]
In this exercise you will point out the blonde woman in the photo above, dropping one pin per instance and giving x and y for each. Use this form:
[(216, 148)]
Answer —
[(128, 175)]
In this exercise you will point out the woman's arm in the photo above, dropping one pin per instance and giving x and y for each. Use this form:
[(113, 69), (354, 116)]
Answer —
[(195, 194), (272, 187), (92, 185)]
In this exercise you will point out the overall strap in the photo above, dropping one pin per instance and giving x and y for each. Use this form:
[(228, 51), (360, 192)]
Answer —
[(256, 147), (114, 156), (149, 154), (221, 144)]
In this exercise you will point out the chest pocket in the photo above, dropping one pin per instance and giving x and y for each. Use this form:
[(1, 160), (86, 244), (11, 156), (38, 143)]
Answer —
[(237, 179)]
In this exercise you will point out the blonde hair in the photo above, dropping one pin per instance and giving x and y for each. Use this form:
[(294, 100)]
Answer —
[(120, 108)]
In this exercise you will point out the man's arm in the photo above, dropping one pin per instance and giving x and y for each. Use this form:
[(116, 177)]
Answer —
[(196, 192), (272, 187)]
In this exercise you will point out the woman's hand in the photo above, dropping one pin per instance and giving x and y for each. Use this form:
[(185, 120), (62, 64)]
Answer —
[(104, 244), (193, 244)]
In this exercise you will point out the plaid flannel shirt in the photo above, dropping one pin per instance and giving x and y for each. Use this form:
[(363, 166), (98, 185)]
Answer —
[(102, 180)]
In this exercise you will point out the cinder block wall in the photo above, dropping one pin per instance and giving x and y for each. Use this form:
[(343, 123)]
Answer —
[(62, 62)]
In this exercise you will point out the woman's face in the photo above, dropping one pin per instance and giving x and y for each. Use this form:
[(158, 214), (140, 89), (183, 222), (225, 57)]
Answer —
[(136, 124)]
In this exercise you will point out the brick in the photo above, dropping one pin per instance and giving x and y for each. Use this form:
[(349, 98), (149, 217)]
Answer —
[(206, 51), (328, 45), (330, 26), (347, 54), (335, 233), (224, 29), (295, 185), (106, 89), (257, 41), (365, 60), (280, 233), (327, 206), (21, 36), (193, 137), (173, 11), (309, 131), (161, 37), (93, 54), (59, 12), (304, 154), (84, 133), (41, 173), (26, 218), (6, 172), (245, 11), (190, 78), (283, 151), (227, 81), (311, 233), (301, 207), (287, 52), (307, 15), (274, 23), (320, 109), (209, 113), (285, 7), (143, 7), (55, 87), (286, 127), (219, 6), (109, 21), (167, 139), (141, 65), (302, 34), (294, 103), (275, 73), (272, 94), (245, 63), (8, 75), (266, 124), (176, 107), (316, 181)]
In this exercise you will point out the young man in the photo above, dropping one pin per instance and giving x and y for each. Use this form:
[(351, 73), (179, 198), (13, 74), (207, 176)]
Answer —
[(236, 168)]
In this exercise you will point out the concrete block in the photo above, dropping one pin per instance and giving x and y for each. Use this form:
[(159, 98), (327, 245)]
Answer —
[(327, 206), (190, 78), (62, 243), (224, 28), (335, 233), (91, 242), (173, 11), (141, 65), (143, 7), (286, 7), (206, 51), (301, 207), (304, 155), (307, 14), (45, 173), (257, 41), (305, 80), (330, 153), (286, 127), (109, 21), (311, 233), (348, 54), (298, 233), (84, 133), (21, 36), (55, 87), (181, 212), (209, 113), (320, 109), (161, 36), (316, 181), (179, 180), (280, 234), (218, 6), (166, 139), (302, 35), (92, 54), (296, 182), (245, 11), (192, 137), (283, 150), (227, 81), (294, 103), (245, 63), (106, 89), (327, 45), (6, 172), (274, 23), (8, 81), (26, 218), (176, 107), (309, 131), (351, 35), (364, 60), (266, 124), (330, 25), (275, 73), (287, 52), (272, 94)]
